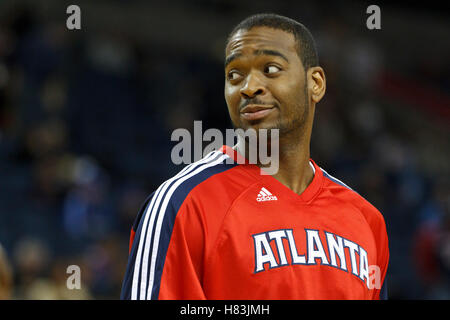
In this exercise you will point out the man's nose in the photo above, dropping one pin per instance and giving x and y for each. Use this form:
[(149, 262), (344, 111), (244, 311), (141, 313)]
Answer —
[(253, 86)]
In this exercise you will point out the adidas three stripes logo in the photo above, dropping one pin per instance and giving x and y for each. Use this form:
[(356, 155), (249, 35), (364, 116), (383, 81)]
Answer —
[(265, 195)]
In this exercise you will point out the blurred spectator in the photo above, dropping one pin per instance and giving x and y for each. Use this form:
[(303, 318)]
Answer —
[(6, 276), (32, 259), (86, 212), (432, 245)]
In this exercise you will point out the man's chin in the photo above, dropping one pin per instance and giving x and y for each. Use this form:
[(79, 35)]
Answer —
[(260, 125)]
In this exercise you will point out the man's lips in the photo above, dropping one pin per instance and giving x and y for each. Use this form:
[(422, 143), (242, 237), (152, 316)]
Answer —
[(256, 112)]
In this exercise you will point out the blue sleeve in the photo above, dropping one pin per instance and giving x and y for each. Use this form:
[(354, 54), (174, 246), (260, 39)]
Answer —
[(128, 278)]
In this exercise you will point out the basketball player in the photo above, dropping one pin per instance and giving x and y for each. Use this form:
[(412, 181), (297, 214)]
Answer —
[(225, 231)]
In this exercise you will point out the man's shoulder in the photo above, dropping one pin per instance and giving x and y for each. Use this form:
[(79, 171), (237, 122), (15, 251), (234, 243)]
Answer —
[(346, 194), (213, 178)]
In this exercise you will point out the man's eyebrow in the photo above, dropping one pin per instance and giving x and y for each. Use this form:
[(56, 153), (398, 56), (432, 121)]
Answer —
[(269, 52), (231, 58), (257, 52)]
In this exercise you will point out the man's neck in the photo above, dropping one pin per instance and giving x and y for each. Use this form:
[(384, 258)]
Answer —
[(294, 170)]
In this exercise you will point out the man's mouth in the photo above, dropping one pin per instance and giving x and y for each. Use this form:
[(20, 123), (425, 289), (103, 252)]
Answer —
[(256, 111)]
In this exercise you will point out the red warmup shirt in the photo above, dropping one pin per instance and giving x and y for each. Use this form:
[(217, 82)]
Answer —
[(222, 230)]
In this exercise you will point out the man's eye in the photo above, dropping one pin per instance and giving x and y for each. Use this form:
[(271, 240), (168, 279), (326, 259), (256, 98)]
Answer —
[(233, 75), (271, 69)]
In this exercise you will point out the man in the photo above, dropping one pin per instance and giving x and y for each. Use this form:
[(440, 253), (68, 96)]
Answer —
[(227, 231)]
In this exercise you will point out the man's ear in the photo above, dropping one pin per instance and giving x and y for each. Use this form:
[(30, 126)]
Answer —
[(316, 83)]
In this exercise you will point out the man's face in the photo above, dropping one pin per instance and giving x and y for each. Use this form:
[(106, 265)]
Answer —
[(265, 82)]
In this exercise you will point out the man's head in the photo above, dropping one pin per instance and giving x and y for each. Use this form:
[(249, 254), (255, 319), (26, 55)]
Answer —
[(272, 77), (305, 45)]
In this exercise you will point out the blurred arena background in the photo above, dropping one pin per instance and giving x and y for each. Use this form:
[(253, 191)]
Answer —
[(86, 118)]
